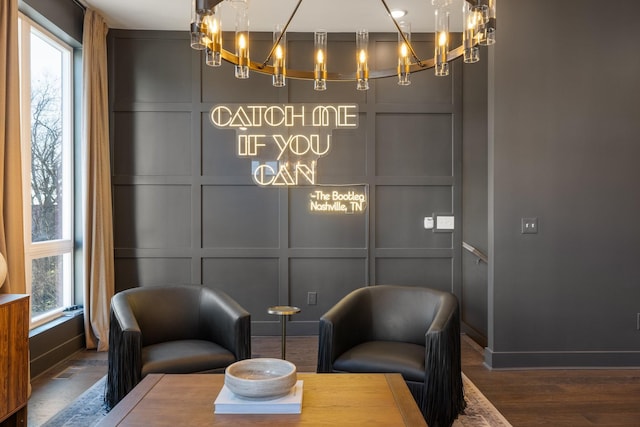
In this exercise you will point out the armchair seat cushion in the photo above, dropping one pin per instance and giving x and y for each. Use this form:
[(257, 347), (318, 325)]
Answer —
[(384, 356), (184, 356)]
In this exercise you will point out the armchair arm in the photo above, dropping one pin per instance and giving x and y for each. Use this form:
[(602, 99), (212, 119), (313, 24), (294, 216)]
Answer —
[(344, 326), (225, 322), (125, 351), (443, 397)]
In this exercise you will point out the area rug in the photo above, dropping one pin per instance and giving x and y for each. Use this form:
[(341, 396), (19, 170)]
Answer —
[(479, 411), (88, 409)]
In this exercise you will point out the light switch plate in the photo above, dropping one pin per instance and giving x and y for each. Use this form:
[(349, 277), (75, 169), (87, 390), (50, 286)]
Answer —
[(529, 226)]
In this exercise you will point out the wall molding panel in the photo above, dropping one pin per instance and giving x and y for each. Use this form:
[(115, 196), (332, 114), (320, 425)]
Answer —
[(186, 208)]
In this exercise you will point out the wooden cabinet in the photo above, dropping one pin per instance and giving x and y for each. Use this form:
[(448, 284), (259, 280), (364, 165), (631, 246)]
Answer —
[(14, 359)]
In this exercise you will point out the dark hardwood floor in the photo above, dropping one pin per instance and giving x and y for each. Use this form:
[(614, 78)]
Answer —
[(556, 398)]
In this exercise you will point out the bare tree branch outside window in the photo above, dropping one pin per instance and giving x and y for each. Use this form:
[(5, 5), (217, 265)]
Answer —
[(46, 189)]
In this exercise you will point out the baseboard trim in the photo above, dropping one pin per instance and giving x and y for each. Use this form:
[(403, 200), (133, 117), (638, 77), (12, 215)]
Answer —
[(562, 360), (474, 334)]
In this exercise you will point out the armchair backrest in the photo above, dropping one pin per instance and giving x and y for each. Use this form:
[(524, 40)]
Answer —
[(165, 313), (403, 313)]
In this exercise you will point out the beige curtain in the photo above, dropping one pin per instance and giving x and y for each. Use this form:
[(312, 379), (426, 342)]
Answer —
[(11, 225), (99, 275)]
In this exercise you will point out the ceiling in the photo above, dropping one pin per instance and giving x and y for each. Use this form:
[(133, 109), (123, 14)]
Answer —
[(329, 15)]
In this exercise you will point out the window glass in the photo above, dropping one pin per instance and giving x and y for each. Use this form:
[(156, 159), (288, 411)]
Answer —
[(48, 275), (47, 141)]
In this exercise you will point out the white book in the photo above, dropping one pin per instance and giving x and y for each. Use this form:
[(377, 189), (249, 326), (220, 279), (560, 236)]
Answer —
[(229, 403)]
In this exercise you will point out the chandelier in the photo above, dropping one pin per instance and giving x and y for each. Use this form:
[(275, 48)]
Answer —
[(479, 24)]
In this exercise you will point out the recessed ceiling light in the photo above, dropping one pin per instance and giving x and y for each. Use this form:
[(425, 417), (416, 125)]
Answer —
[(397, 13)]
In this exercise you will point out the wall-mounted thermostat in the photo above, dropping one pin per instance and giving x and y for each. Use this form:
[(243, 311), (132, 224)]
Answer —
[(443, 222)]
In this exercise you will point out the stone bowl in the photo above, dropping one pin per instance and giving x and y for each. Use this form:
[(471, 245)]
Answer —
[(260, 378)]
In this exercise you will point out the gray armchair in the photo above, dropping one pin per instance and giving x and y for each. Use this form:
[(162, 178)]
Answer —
[(410, 330), (172, 329)]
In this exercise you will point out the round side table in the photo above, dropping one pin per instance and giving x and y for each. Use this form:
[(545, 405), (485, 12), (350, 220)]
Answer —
[(284, 311)]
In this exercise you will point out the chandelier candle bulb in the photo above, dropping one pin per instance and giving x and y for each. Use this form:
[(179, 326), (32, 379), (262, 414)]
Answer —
[(441, 42), (362, 55), (470, 22), (213, 56), (487, 31), (242, 40), (404, 62), (279, 57), (200, 10), (320, 68)]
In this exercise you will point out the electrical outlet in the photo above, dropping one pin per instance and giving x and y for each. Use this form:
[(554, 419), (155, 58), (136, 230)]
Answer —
[(312, 298)]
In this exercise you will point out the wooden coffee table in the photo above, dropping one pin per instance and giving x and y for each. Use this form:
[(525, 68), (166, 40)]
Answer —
[(328, 399)]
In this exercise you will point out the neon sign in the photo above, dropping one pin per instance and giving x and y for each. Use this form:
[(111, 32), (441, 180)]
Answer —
[(284, 142), (338, 201)]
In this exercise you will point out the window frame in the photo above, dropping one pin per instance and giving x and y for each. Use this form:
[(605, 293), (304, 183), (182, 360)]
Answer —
[(64, 246)]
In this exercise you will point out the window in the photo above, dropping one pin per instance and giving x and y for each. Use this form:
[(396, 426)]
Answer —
[(47, 146)]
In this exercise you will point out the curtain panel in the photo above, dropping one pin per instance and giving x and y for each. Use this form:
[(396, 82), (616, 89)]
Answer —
[(98, 246), (11, 212)]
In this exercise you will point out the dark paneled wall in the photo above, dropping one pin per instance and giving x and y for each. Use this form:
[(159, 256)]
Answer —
[(474, 198), (564, 148), (186, 209)]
